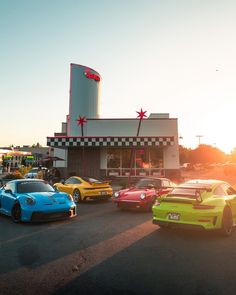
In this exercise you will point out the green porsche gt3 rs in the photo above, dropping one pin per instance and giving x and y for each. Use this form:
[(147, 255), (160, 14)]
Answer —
[(200, 204)]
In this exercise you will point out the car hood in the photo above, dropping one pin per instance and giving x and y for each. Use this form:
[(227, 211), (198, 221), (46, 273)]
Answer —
[(48, 198), (134, 193)]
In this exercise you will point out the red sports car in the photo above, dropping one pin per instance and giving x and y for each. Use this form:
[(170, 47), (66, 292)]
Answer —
[(143, 194)]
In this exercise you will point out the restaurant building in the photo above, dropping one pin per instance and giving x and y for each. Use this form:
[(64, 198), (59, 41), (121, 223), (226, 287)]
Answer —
[(107, 147)]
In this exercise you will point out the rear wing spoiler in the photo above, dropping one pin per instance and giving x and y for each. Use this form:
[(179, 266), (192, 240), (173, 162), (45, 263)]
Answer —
[(101, 182), (208, 189), (195, 195)]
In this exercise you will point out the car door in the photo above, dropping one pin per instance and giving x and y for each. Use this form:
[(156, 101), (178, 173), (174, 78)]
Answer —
[(8, 198)]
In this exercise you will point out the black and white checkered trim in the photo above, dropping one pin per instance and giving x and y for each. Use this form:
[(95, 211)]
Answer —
[(109, 141)]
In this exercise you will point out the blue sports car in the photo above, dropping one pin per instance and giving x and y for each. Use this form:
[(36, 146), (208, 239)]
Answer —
[(35, 200)]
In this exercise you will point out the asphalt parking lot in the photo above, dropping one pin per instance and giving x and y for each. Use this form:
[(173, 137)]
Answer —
[(107, 251)]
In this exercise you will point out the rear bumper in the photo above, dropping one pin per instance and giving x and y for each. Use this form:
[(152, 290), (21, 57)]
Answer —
[(188, 218), (99, 197), (167, 224)]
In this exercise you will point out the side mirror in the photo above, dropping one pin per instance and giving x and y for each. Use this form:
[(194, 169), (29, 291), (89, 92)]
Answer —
[(56, 189), (62, 181)]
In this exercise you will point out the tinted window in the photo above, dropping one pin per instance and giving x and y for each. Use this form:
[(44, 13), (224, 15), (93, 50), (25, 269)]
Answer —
[(165, 183), (10, 186), (143, 183), (34, 170), (219, 191), (228, 189), (231, 191), (72, 180), (34, 186)]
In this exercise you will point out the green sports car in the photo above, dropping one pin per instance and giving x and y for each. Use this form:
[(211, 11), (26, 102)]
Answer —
[(200, 204)]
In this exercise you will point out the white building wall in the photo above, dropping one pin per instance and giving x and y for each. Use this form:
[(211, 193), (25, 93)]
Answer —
[(126, 127), (171, 158), (103, 158), (63, 154), (163, 126)]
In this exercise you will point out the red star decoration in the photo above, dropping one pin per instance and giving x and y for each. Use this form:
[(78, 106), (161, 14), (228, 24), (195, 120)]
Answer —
[(141, 114), (81, 121)]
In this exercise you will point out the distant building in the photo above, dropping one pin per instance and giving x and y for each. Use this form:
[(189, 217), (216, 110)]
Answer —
[(26, 154), (106, 147)]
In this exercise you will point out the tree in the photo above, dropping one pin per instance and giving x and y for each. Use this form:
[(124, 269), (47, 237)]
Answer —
[(184, 154), (37, 145), (207, 154), (233, 155)]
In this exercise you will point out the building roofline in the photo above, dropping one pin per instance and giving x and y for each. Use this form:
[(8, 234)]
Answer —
[(100, 119)]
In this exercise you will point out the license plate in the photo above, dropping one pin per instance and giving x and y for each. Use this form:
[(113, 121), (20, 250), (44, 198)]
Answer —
[(103, 193), (174, 216)]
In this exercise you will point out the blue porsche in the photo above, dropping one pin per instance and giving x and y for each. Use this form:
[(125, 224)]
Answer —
[(35, 200)]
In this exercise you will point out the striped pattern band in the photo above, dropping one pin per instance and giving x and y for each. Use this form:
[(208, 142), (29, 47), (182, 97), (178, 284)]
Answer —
[(64, 141)]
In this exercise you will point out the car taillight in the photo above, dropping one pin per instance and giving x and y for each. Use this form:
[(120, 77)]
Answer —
[(203, 207)]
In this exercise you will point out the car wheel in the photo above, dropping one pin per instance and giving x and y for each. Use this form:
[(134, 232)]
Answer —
[(227, 222), (149, 207), (16, 213), (76, 196)]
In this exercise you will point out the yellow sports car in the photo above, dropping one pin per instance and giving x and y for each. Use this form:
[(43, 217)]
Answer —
[(85, 188), (200, 204)]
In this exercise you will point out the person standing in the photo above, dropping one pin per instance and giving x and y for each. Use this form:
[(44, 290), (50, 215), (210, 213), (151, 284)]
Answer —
[(56, 175), (40, 173)]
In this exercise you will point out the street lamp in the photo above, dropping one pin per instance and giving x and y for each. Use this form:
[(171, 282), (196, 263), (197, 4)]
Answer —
[(199, 139)]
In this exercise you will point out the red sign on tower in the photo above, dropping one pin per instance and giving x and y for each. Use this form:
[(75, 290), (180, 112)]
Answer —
[(90, 75)]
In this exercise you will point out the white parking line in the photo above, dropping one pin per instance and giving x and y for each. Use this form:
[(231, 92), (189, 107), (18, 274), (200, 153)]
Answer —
[(54, 275)]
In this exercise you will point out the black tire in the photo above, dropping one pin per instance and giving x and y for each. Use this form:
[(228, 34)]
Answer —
[(76, 196), (227, 222), (16, 213), (149, 207)]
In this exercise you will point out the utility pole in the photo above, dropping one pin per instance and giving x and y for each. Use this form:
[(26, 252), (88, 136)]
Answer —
[(199, 139)]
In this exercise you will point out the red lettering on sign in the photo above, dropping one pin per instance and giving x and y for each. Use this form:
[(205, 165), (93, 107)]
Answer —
[(90, 75)]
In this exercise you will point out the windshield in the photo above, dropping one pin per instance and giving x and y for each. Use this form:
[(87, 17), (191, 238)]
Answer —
[(144, 183), (34, 170), (34, 186)]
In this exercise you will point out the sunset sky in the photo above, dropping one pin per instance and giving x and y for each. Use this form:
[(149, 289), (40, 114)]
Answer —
[(166, 56)]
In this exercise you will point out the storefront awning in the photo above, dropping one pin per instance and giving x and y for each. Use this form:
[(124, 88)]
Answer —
[(64, 141)]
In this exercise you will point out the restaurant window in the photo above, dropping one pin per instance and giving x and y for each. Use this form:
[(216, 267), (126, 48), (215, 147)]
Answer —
[(113, 158), (126, 157), (156, 158), (142, 159)]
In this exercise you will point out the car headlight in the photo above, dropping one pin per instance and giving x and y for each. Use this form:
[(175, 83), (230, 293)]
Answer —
[(30, 201), (69, 197), (116, 194), (142, 196)]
